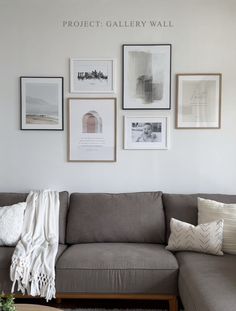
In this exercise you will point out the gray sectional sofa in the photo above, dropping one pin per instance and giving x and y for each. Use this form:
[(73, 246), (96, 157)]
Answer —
[(113, 246)]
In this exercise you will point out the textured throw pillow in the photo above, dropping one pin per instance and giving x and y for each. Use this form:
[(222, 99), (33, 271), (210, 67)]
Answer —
[(205, 238), (209, 210), (11, 222)]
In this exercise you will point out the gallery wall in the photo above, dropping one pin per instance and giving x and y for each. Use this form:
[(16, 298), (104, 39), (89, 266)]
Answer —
[(34, 42)]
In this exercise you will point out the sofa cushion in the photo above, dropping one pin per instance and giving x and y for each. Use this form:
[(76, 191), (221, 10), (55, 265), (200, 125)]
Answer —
[(207, 282), (5, 257), (5, 262), (204, 238), (127, 217), (7, 198), (117, 268), (11, 223), (184, 206), (210, 210)]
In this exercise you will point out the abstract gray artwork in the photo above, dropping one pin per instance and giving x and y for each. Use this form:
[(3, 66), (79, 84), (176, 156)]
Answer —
[(146, 77)]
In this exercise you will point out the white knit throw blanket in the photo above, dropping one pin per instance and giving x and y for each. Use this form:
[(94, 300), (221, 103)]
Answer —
[(33, 261)]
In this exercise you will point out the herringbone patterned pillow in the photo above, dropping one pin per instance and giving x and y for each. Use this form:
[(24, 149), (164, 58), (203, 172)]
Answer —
[(205, 238)]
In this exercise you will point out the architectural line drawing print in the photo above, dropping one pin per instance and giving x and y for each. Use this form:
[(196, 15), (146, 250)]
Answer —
[(42, 103), (199, 95), (92, 75), (146, 76), (198, 101)]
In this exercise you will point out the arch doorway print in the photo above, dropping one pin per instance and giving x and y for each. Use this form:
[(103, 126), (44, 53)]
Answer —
[(92, 122)]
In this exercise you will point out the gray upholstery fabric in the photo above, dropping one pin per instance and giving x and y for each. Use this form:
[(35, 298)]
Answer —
[(5, 282), (117, 268), (184, 206), (61, 249), (127, 217), (64, 205), (5, 262), (207, 282), (8, 198), (5, 257)]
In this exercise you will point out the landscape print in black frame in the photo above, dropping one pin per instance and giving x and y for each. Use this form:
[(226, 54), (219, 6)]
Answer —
[(146, 76), (41, 103)]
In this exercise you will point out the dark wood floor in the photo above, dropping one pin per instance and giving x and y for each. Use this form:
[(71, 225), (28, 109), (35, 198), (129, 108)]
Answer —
[(107, 304)]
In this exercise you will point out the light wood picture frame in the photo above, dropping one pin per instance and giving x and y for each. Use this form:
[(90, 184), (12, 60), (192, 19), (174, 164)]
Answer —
[(92, 129), (198, 100)]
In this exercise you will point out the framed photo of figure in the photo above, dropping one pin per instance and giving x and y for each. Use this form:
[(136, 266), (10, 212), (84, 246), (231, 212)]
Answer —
[(198, 103), (41, 103), (92, 130), (146, 76), (92, 75), (146, 133)]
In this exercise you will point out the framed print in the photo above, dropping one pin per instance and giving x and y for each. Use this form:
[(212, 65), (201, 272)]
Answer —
[(92, 129), (146, 133), (146, 76), (198, 101), (41, 100), (92, 75)]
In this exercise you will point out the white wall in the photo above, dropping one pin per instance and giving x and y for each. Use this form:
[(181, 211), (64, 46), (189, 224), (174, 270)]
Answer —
[(33, 42)]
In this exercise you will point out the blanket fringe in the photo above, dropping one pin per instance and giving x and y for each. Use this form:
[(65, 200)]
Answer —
[(36, 283)]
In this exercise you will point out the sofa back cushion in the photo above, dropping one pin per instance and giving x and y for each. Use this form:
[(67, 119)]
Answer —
[(125, 217), (8, 198), (184, 206)]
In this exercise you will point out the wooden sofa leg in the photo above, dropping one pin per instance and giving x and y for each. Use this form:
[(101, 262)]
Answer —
[(58, 300), (173, 304)]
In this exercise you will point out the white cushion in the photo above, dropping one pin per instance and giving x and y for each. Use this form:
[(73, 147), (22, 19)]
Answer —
[(205, 238), (209, 210), (11, 222)]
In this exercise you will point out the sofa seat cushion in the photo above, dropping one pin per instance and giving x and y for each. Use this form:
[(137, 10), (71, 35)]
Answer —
[(5, 262), (117, 268), (207, 282)]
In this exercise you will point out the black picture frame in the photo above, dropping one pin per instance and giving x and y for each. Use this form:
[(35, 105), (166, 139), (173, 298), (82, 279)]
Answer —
[(42, 103), (149, 86)]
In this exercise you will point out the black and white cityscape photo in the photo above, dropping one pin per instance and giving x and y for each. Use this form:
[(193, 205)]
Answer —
[(92, 75)]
